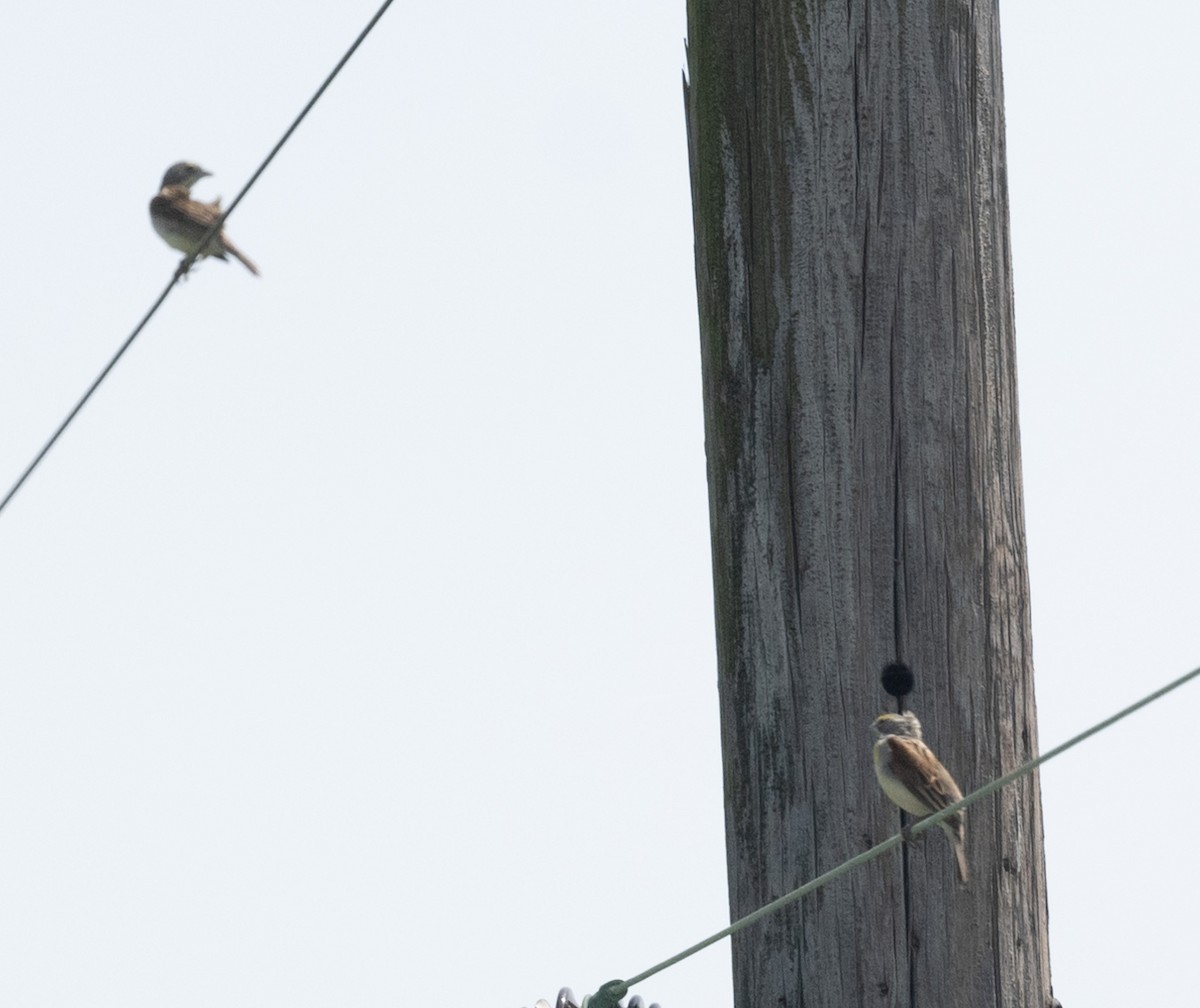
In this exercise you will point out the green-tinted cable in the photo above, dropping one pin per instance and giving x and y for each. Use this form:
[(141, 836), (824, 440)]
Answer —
[(915, 830)]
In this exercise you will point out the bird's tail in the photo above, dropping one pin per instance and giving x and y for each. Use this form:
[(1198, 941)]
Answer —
[(234, 251), (960, 855), (958, 844)]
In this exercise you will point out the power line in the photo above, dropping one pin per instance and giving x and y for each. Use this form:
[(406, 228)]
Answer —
[(614, 989), (216, 226)]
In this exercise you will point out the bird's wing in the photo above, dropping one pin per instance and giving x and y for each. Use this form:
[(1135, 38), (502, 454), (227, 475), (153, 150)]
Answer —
[(918, 769), (185, 216)]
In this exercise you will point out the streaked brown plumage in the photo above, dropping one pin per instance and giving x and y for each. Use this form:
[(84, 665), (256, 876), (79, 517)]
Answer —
[(182, 221), (913, 777)]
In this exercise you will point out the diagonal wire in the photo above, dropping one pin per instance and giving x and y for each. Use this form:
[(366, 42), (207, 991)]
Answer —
[(619, 987), (186, 264)]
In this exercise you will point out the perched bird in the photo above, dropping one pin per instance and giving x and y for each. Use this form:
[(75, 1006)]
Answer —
[(182, 221), (912, 777)]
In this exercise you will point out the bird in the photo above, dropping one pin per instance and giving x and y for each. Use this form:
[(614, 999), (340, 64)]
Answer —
[(913, 778), (182, 221)]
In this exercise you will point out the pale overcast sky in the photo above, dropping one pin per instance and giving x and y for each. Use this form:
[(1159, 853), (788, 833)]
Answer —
[(357, 639)]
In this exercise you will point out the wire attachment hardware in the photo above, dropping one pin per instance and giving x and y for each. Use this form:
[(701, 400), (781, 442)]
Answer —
[(606, 997)]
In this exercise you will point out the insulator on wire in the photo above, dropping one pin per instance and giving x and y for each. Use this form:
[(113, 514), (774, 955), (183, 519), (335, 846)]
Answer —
[(566, 999)]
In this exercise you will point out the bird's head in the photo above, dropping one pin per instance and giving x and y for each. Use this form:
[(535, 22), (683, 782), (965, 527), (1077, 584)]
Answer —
[(905, 725), (184, 173)]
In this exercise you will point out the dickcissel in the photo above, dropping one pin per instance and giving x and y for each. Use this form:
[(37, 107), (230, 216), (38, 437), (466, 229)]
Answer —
[(913, 778), (182, 221)]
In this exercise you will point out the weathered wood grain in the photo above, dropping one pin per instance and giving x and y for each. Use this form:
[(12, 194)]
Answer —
[(855, 295)]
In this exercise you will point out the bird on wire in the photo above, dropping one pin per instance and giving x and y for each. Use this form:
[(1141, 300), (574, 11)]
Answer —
[(913, 778), (182, 221)]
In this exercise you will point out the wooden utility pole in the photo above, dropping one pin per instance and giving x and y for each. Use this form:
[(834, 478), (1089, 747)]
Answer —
[(853, 271)]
